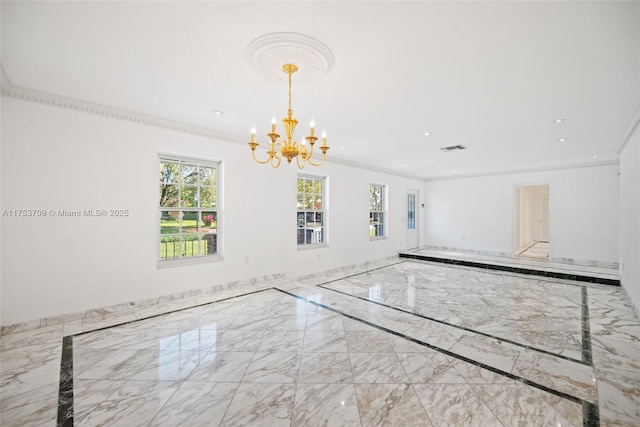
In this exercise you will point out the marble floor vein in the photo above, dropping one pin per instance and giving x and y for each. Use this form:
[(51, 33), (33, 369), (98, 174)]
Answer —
[(395, 342)]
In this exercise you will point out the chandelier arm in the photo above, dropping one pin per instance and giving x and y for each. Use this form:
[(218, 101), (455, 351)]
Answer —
[(324, 155), (262, 162), (277, 164), (300, 165)]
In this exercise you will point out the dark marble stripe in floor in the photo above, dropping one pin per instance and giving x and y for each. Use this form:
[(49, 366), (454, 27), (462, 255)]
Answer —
[(520, 270)]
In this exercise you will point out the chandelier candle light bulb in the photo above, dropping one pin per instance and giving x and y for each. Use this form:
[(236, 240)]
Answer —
[(288, 148)]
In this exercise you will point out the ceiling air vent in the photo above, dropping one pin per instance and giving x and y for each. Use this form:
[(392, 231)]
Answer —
[(454, 148)]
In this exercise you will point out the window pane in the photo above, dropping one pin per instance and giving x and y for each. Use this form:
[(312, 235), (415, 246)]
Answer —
[(210, 243), (189, 223), (208, 197), (169, 195), (209, 223), (190, 245), (207, 176), (168, 172), (169, 222), (411, 212), (189, 173), (170, 247), (189, 196)]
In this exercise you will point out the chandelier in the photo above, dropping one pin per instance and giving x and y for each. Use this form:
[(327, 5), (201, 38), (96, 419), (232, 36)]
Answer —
[(289, 148)]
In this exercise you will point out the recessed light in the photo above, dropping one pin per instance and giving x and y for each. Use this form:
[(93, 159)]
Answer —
[(342, 147), (595, 157), (218, 113), (563, 139), (406, 165), (453, 171), (427, 133), (559, 120)]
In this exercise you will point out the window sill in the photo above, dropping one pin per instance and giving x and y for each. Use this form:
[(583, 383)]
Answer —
[(378, 238), (312, 246), (189, 261)]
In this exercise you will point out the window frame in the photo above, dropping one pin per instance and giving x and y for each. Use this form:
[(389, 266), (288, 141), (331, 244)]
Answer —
[(324, 212), (216, 210), (382, 211)]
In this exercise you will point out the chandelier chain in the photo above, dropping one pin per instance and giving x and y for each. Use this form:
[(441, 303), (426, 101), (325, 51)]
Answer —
[(290, 109)]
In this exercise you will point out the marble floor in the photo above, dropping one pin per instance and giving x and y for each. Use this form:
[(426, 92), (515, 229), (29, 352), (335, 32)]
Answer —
[(397, 342)]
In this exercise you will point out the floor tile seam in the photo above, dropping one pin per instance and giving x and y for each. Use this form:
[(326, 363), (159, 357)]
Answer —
[(355, 274), (524, 346), (484, 403), (172, 311), (424, 409), (452, 354), (166, 401), (30, 401), (235, 392), (432, 423)]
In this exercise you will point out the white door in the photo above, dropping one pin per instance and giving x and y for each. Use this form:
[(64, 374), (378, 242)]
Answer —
[(412, 219), (543, 219)]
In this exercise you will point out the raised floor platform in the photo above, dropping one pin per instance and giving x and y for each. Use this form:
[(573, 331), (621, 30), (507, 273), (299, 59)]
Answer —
[(522, 265)]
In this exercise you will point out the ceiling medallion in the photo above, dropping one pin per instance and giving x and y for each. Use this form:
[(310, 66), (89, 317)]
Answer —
[(269, 52)]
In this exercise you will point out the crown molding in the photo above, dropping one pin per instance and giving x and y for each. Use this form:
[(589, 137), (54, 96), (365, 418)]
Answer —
[(31, 95), (16, 92), (631, 129), (529, 170), (373, 168)]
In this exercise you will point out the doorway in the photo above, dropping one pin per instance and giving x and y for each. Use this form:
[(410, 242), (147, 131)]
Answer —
[(532, 221), (412, 219)]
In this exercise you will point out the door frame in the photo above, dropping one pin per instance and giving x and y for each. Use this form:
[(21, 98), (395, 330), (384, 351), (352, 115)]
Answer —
[(526, 212)]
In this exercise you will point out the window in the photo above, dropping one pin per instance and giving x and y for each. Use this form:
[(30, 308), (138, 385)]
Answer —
[(311, 214), (376, 210), (188, 208)]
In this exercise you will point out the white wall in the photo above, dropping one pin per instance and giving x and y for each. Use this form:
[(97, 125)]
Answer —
[(630, 218), (54, 158), (479, 213)]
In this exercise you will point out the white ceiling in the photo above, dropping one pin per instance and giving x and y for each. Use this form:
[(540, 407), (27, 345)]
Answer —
[(492, 76)]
